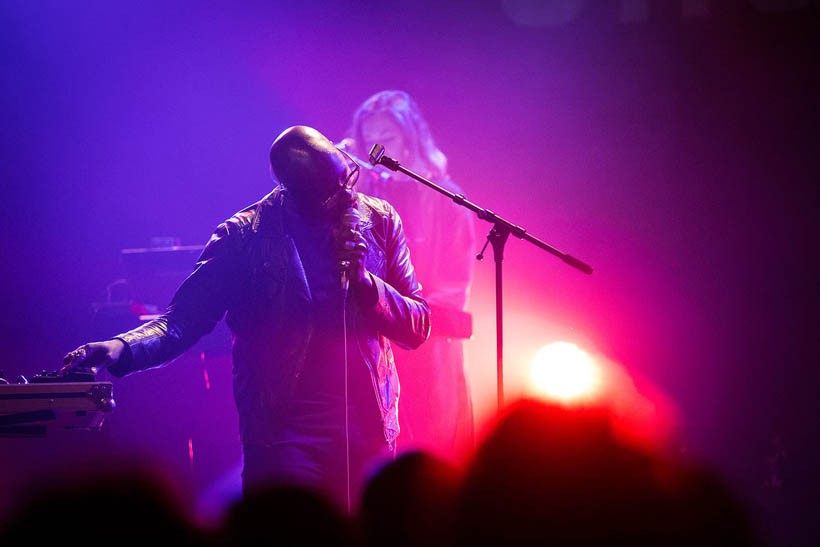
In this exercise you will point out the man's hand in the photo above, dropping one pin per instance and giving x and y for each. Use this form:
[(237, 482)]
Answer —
[(94, 356), (351, 248)]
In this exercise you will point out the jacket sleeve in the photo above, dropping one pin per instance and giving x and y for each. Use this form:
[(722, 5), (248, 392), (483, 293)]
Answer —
[(400, 313), (197, 306)]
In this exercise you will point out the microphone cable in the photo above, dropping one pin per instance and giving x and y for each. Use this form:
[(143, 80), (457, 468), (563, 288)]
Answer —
[(345, 286)]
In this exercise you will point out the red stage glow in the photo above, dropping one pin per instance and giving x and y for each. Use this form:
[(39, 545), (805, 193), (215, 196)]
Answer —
[(561, 371)]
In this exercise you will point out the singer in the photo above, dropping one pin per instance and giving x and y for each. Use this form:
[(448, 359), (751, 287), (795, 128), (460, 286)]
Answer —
[(275, 271)]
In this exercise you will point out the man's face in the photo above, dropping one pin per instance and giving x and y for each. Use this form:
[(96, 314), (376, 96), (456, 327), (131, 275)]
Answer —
[(309, 166)]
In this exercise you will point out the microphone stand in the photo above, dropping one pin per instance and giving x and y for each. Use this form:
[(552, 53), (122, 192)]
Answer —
[(497, 237)]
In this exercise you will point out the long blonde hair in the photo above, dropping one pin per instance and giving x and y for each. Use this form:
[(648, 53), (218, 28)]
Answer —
[(404, 110)]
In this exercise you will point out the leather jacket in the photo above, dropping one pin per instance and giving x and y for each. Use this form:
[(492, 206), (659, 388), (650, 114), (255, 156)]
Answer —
[(250, 272)]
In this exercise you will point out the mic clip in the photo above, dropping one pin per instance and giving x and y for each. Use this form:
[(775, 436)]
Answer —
[(377, 157)]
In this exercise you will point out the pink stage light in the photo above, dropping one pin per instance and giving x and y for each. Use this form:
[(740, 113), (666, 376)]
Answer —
[(562, 372)]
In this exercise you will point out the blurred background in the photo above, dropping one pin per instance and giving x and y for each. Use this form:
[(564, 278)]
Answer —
[(672, 145)]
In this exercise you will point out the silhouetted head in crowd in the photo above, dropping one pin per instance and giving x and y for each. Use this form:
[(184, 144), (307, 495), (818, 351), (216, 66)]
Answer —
[(410, 501), (552, 475), (126, 507), (285, 516)]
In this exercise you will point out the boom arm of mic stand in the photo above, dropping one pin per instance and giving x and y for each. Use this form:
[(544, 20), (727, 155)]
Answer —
[(377, 157)]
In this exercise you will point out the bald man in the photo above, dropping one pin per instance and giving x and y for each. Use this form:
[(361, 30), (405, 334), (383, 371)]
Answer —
[(273, 271)]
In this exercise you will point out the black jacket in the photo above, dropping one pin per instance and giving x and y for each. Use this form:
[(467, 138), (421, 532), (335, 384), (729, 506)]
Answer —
[(250, 269)]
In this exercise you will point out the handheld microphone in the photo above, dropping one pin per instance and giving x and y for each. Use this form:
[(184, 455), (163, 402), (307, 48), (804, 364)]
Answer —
[(349, 221)]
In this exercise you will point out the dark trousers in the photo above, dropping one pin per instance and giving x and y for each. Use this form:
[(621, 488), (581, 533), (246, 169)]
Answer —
[(309, 449)]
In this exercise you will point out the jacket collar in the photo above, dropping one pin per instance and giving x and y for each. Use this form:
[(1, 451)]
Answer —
[(269, 219)]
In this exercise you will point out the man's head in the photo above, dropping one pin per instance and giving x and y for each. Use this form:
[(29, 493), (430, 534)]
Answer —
[(308, 165)]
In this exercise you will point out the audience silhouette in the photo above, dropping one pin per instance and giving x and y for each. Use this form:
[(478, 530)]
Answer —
[(546, 474), (558, 476)]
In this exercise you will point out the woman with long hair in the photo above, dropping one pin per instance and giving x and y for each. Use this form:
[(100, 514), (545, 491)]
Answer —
[(435, 405)]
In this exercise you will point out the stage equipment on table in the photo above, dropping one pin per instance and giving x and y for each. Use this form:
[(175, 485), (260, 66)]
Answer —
[(50, 401)]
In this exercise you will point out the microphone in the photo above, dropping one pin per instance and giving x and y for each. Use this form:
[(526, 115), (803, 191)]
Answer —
[(349, 221), (376, 154), (377, 157), (348, 146)]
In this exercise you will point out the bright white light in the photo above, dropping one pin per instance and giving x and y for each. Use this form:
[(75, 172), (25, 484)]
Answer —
[(563, 371)]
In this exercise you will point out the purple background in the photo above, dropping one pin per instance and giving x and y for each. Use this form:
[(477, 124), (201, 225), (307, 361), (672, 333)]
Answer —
[(675, 150)]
